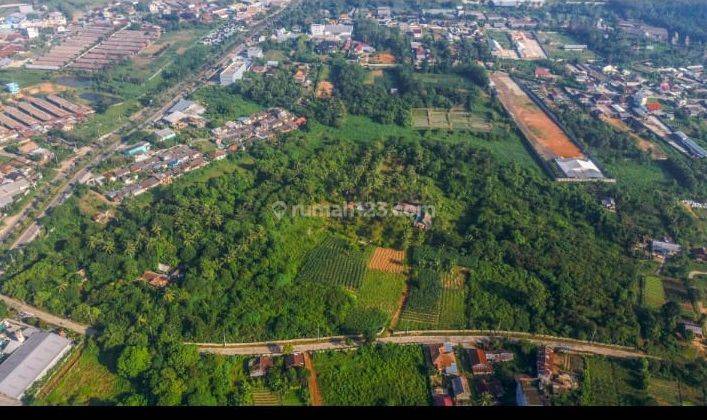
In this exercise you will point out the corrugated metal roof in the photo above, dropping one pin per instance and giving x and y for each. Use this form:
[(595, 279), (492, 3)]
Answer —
[(28, 363)]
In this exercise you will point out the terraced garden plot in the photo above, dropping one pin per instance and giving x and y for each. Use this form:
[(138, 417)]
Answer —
[(653, 293), (335, 262), (264, 397)]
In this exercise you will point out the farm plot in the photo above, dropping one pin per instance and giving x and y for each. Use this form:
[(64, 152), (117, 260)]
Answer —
[(424, 302), (452, 313), (653, 293), (612, 383), (382, 291), (336, 262), (264, 397), (450, 119), (387, 260)]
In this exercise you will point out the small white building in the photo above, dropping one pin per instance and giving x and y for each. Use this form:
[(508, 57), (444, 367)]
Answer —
[(234, 72)]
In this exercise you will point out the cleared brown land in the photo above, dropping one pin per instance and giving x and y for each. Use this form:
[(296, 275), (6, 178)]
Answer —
[(383, 58), (388, 260), (547, 138)]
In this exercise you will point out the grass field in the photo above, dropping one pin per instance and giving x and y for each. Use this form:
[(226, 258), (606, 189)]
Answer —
[(385, 375), (610, 382), (653, 293), (335, 262), (450, 119), (452, 313), (553, 43), (88, 382), (222, 105)]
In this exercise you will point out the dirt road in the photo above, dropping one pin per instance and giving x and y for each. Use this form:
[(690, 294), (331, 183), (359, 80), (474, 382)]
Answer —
[(315, 394), (47, 317)]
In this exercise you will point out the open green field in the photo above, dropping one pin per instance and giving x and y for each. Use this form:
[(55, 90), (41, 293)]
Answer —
[(384, 375), (88, 382), (653, 293), (610, 382), (450, 119), (336, 262), (381, 290), (222, 105), (501, 37), (553, 42), (452, 313)]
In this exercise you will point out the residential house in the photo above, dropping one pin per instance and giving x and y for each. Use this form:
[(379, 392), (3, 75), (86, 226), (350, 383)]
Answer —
[(259, 366), (460, 389), (479, 363), (442, 357), (294, 360)]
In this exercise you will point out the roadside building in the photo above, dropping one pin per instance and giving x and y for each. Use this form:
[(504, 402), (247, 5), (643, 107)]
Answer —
[(233, 72), (30, 362)]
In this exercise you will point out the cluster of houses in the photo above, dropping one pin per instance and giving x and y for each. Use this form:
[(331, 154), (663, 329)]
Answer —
[(450, 386), (17, 177), (259, 126), (150, 169), (20, 28), (237, 15), (641, 104), (258, 367), (420, 215), (27, 354)]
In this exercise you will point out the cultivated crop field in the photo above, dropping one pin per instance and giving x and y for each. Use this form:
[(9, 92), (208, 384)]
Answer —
[(382, 291), (387, 260), (423, 305), (336, 262), (450, 119), (653, 293), (452, 306)]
